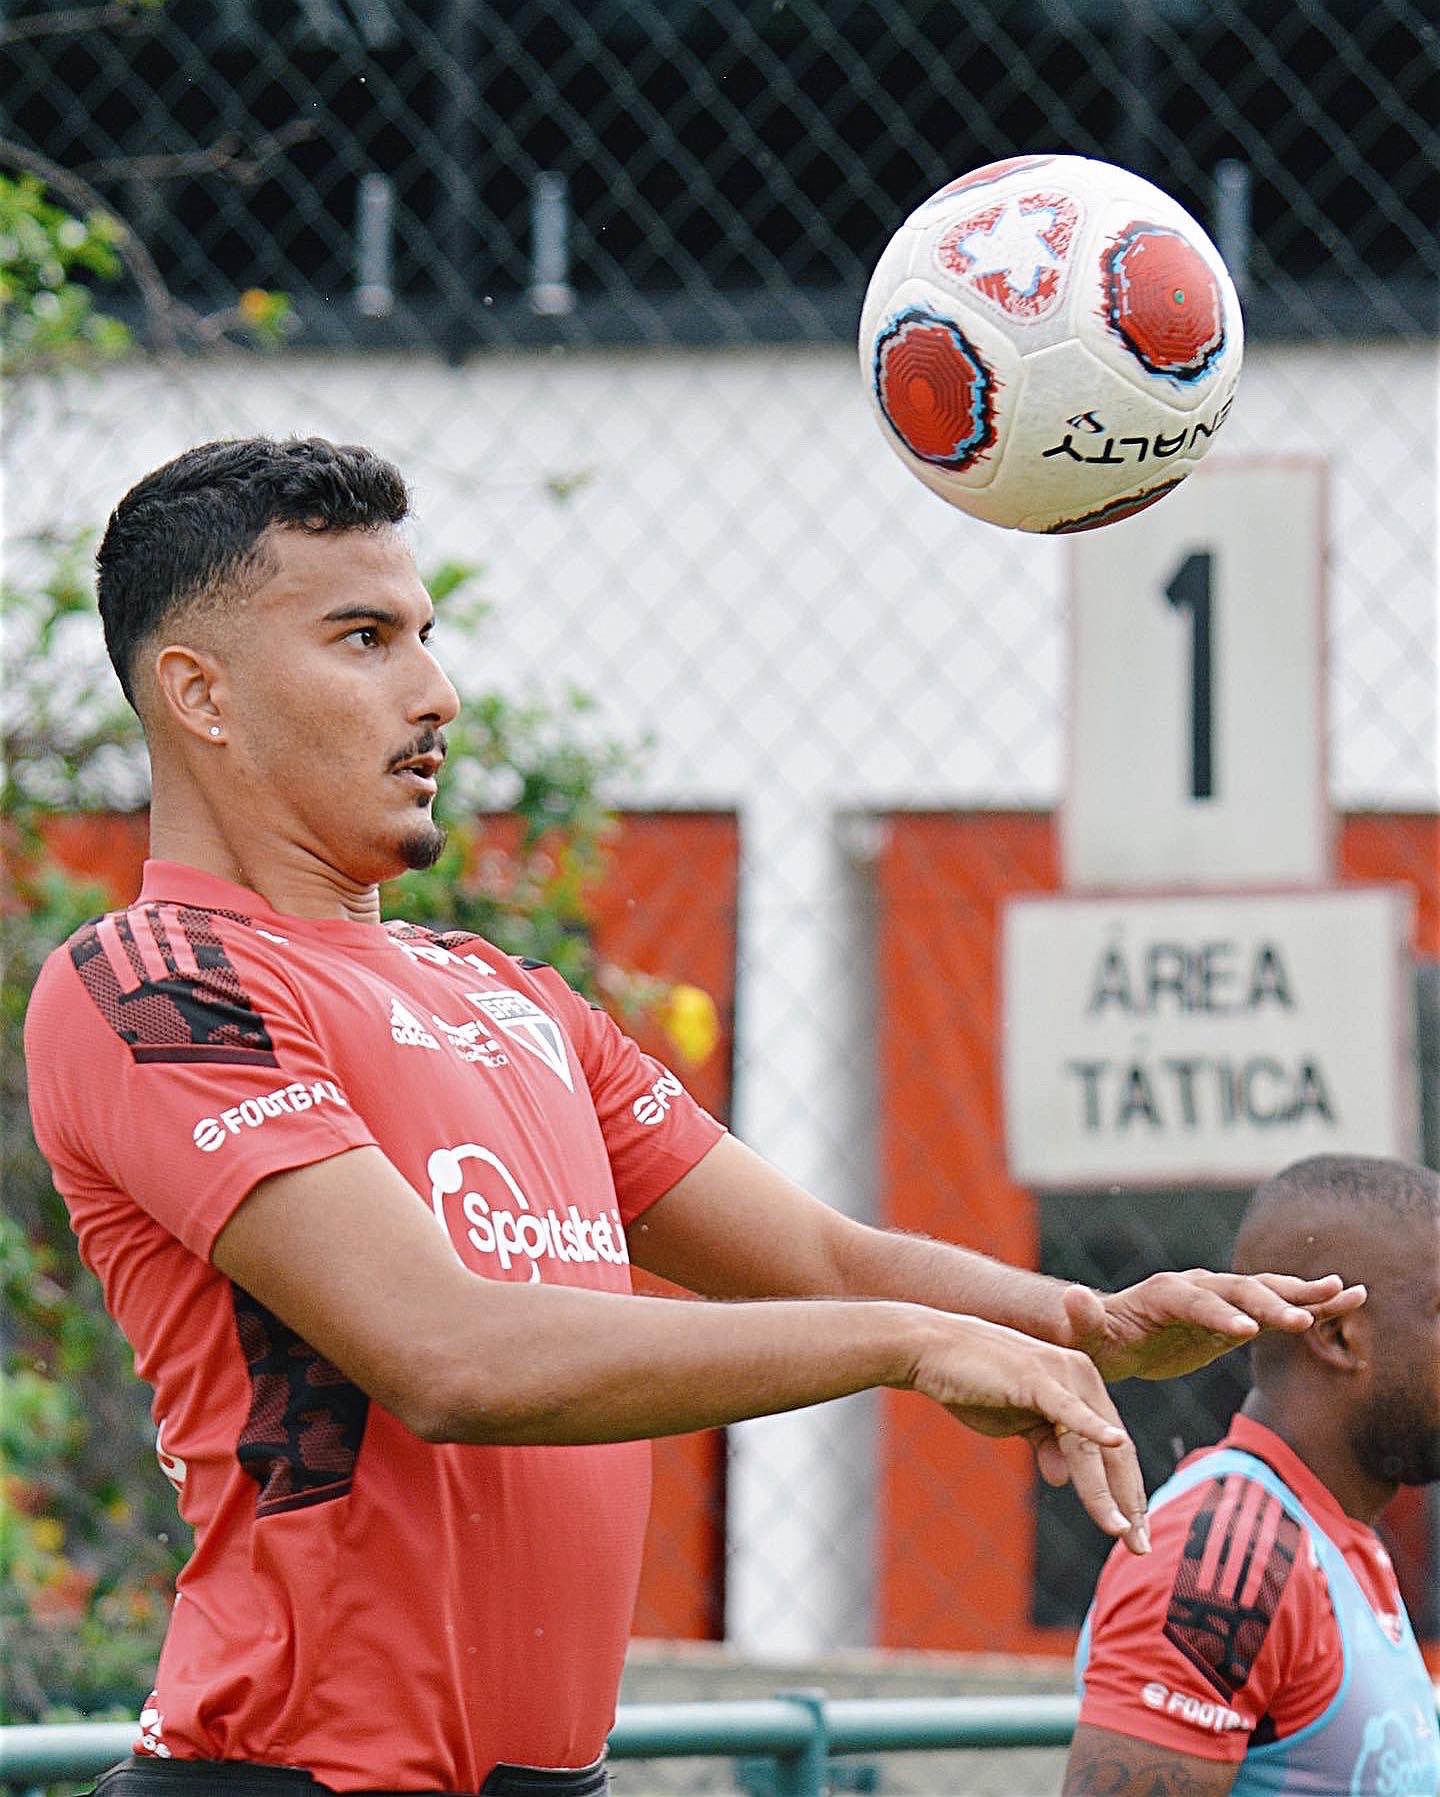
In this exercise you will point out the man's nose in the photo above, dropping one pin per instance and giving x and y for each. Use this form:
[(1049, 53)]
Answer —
[(436, 699)]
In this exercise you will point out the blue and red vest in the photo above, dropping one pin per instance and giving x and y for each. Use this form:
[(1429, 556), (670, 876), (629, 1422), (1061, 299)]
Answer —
[(1378, 1736)]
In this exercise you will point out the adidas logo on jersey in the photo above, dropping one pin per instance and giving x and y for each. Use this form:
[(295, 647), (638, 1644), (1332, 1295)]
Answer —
[(407, 1029)]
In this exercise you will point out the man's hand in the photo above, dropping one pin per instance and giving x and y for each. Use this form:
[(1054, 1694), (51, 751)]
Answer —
[(1000, 1382), (1172, 1323)]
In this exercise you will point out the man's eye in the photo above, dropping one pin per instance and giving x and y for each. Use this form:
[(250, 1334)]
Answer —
[(367, 636)]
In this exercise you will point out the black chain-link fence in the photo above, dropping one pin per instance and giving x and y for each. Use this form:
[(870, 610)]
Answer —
[(664, 171)]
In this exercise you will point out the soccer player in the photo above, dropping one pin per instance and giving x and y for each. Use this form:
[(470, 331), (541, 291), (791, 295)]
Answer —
[(1263, 1645), (364, 1198)]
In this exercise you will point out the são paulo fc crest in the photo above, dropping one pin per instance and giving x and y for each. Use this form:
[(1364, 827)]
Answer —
[(522, 1020), (934, 388)]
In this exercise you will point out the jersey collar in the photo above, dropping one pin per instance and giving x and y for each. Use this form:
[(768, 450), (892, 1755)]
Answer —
[(1254, 1438), (175, 882)]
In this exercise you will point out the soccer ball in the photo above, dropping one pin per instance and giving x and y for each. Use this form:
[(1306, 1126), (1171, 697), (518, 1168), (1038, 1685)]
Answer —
[(1050, 343)]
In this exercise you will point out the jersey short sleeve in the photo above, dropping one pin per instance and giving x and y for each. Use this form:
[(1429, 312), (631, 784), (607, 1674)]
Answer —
[(1222, 1637), (654, 1131), (169, 1060)]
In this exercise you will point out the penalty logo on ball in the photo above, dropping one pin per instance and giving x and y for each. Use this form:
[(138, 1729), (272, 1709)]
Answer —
[(934, 389), (1162, 300)]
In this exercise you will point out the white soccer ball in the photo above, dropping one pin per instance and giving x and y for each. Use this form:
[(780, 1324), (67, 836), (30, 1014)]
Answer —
[(1050, 343)]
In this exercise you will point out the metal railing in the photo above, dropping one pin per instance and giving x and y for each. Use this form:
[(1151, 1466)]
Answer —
[(796, 1732)]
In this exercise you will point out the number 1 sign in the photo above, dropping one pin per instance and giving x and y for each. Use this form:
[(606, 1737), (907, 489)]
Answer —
[(1197, 727)]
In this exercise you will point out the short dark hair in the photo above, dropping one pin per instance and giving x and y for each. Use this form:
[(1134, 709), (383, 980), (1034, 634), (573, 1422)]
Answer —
[(187, 530), (1389, 1190)]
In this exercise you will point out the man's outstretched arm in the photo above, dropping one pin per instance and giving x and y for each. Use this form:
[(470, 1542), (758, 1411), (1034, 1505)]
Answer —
[(347, 1254), (735, 1226)]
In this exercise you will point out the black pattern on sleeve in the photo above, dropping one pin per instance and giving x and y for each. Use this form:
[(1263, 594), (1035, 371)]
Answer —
[(161, 979), (1240, 1551)]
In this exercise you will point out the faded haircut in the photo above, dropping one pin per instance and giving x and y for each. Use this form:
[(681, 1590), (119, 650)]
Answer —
[(191, 532), (1356, 1183)]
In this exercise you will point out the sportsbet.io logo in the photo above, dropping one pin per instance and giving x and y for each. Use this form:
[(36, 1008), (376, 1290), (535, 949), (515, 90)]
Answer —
[(211, 1133), (1395, 1758), (479, 1204)]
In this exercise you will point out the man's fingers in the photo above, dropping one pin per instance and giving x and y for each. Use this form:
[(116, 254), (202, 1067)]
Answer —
[(1056, 1399), (1297, 1290), (1099, 1459), (1205, 1308), (1328, 1297), (1281, 1301), (1107, 1482), (1048, 1458), (1351, 1298)]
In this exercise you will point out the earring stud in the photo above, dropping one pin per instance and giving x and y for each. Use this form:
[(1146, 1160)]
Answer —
[(214, 729)]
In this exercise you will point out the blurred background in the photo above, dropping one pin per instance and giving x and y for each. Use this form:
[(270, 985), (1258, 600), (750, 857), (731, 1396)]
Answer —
[(767, 744)]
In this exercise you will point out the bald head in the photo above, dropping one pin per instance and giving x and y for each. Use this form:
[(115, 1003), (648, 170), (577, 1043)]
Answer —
[(1369, 1383), (1351, 1214)]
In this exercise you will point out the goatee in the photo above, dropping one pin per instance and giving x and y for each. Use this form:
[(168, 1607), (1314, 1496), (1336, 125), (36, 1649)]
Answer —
[(424, 848), (1394, 1442)]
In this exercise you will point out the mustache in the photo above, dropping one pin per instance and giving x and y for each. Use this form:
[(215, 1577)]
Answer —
[(429, 742)]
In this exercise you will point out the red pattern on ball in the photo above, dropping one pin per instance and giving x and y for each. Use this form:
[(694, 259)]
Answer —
[(1113, 512), (934, 390), (981, 177), (1163, 300), (1055, 216)]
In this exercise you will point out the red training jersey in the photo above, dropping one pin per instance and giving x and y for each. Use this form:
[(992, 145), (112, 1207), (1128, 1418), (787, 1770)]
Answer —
[(385, 1612), (1224, 1636)]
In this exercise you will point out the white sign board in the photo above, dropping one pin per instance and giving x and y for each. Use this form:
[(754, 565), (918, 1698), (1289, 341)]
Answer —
[(1197, 730), (1185, 1040)]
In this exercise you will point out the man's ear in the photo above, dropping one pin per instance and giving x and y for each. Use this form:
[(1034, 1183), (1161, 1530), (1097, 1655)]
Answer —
[(1341, 1344), (191, 689)]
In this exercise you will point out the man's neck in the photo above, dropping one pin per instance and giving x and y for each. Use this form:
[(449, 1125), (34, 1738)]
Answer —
[(290, 881), (1314, 1432)]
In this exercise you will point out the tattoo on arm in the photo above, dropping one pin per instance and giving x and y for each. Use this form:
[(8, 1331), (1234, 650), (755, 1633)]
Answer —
[(1104, 1764)]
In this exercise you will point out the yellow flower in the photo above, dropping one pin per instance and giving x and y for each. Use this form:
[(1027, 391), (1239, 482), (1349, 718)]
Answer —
[(690, 1021), (48, 1534)]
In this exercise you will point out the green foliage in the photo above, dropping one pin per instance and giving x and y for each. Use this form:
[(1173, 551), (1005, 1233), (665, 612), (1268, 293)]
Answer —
[(48, 317), (70, 742), (50, 262)]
